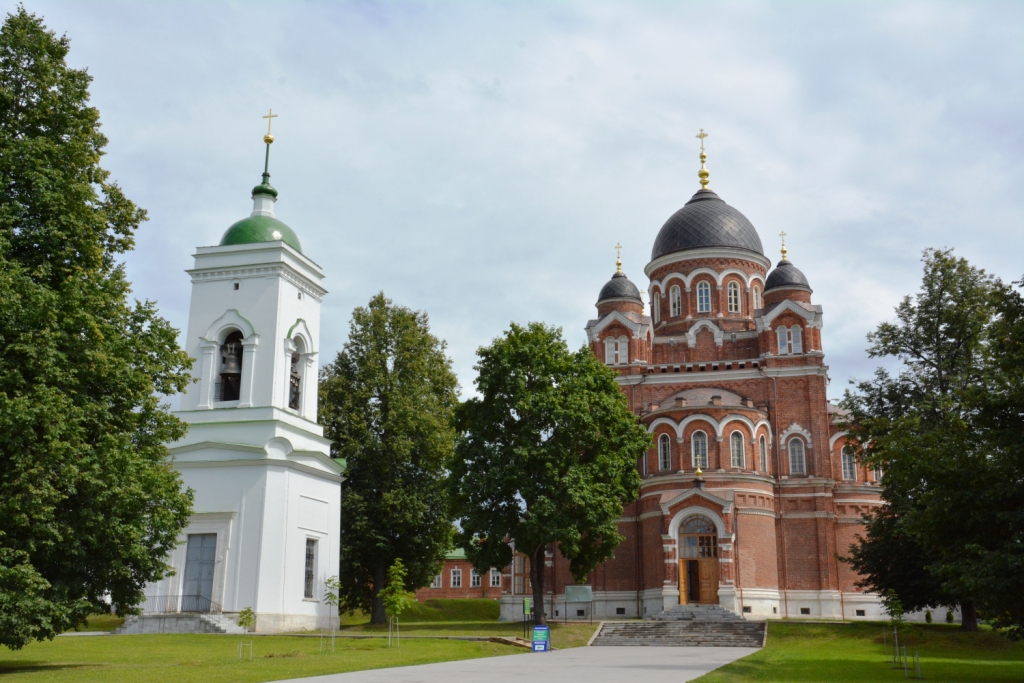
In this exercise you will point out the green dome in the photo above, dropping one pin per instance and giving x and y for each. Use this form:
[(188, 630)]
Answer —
[(260, 229)]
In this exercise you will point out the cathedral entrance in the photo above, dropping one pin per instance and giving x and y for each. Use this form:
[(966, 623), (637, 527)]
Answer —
[(698, 561)]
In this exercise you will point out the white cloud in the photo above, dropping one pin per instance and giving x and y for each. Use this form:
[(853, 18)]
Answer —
[(479, 160)]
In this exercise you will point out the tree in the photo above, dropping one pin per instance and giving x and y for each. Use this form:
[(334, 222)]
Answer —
[(547, 454), (388, 403), (920, 426), (89, 503)]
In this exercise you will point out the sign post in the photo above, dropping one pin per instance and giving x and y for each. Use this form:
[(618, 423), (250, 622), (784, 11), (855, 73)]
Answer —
[(541, 643), (526, 613)]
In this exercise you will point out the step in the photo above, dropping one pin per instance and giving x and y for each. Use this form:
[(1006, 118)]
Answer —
[(739, 633)]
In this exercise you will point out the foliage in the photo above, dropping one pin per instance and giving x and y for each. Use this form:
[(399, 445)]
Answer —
[(946, 429), (89, 504), (894, 608), (388, 403), (547, 454), (396, 599), (247, 618)]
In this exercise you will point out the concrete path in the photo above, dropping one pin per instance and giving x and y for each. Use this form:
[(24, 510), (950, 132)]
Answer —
[(575, 665)]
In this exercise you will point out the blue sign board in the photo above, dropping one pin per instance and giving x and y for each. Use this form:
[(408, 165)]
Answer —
[(540, 639)]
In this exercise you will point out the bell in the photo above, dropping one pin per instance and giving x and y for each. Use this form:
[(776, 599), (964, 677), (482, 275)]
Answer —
[(231, 358)]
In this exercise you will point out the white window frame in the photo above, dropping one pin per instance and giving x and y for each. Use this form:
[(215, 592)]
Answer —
[(739, 458), (757, 298), (437, 581), (664, 452), (783, 335), (849, 462), (622, 351), (474, 579), (310, 561), (699, 459), (610, 349), (797, 456), (675, 302), (495, 578), (763, 446), (456, 577), (734, 297), (796, 344), (703, 297), (656, 307)]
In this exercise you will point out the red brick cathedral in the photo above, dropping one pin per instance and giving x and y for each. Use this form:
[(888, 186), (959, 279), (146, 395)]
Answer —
[(748, 494)]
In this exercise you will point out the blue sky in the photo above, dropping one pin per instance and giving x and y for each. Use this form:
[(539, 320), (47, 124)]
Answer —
[(480, 160)]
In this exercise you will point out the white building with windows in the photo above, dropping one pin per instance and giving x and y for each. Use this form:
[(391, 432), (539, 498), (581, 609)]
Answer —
[(265, 529)]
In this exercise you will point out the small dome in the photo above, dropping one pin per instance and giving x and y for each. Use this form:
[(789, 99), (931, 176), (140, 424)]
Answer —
[(619, 287), (256, 229), (706, 221), (786, 275)]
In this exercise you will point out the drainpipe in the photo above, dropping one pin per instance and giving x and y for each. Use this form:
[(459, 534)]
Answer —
[(778, 495)]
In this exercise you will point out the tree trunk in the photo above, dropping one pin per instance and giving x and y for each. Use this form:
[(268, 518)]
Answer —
[(537, 563), (968, 616), (377, 615)]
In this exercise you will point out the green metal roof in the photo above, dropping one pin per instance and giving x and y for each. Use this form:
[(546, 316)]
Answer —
[(256, 229), (457, 554)]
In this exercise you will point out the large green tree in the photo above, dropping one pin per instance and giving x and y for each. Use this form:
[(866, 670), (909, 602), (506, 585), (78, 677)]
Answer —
[(388, 403), (89, 504), (920, 426), (547, 454)]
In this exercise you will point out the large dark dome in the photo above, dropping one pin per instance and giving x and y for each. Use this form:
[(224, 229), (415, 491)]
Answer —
[(706, 221), (619, 287), (786, 275)]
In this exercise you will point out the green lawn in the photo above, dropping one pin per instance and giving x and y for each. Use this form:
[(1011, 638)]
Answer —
[(213, 659), (854, 652), (467, 617)]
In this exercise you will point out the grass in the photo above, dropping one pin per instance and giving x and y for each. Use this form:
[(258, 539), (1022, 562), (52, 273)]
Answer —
[(466, 617), (214, 659), (838, 653)]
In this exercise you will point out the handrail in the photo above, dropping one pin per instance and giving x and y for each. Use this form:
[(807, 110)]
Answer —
[(179, 604)]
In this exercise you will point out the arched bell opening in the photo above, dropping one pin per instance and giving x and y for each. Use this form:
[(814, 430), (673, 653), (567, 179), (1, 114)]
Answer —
[(698, 561), (230, 385), (295, 375)]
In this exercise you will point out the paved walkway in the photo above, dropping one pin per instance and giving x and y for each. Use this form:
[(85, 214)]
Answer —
[(575, 665)]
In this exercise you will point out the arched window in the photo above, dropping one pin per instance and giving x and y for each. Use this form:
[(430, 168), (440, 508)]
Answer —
[(757, 298), (795, 340), (849, 463), (623, 351), (700, 450), (664, 452), (736, 446), (611, 347), (783, 341), (675, 302), (797, 463), (703, 298), (656, 307), (878, 473), (763, 446), (295, 377), (230, 386), (734, 297)]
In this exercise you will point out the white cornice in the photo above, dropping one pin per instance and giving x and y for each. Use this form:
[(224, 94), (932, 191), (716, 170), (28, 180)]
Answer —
[(281, 270), (707, 253)]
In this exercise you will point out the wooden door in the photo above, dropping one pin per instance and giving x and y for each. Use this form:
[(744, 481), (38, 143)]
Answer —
[(709, 581)]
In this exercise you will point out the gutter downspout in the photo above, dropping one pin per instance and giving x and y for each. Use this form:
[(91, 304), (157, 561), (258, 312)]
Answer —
[(778, 495)]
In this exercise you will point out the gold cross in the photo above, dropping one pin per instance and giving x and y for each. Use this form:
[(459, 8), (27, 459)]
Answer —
[(618, 258), (268, 138), (702, 135), (783, 236)]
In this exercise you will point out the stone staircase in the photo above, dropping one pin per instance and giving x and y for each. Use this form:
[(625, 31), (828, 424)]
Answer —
[(685, 626), (179, 623)]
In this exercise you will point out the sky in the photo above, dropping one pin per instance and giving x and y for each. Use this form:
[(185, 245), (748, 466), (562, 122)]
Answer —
[(480, 160)]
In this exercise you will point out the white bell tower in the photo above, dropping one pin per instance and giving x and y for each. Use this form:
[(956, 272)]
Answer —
[(265, 531)]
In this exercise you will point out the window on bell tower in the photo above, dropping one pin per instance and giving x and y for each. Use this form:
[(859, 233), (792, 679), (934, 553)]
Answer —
[(675, 302), (656, 307), (757, 298), (664, 452)]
